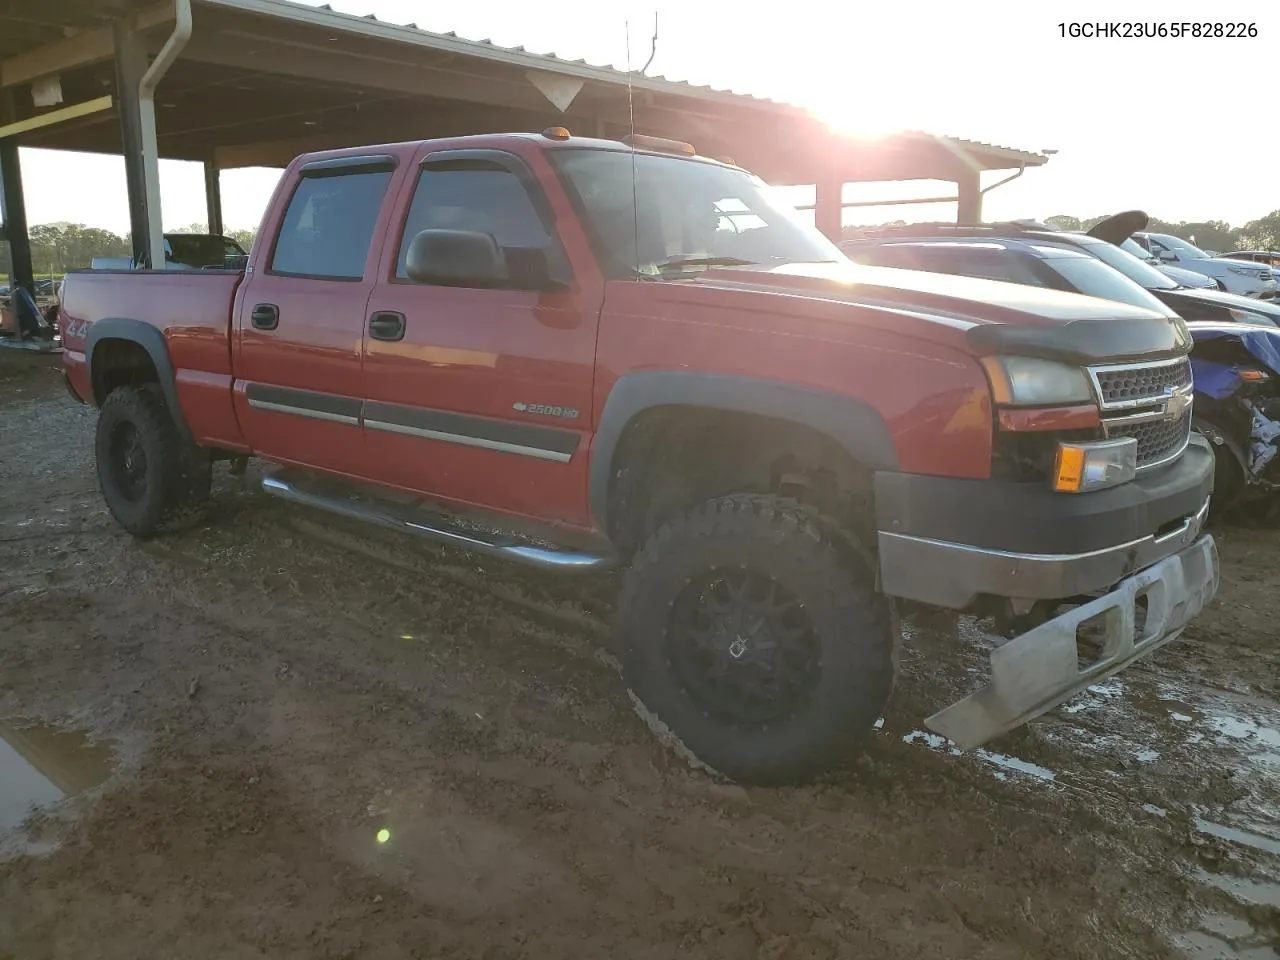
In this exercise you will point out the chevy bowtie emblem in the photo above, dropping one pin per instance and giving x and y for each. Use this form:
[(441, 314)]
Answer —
[(1176, 405)]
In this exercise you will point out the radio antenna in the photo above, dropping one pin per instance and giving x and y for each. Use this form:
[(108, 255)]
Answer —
[(653, 47), (631, 120)]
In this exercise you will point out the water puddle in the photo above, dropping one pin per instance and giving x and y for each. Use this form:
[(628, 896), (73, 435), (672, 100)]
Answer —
[(42, 765), (1137, 735), (1200, 945), (1247, 890), (1234, 936), (1002, 762), (1248, 838), (1261, 740)]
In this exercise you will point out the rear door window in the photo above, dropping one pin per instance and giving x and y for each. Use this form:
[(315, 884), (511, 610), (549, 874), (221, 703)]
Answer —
[(328, 227)]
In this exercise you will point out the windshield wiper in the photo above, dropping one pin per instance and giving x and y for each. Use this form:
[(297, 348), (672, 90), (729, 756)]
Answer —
[(676, 263)]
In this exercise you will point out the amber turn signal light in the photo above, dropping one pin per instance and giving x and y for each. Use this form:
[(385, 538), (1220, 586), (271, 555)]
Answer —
[(1081, 467), (1069, 470)]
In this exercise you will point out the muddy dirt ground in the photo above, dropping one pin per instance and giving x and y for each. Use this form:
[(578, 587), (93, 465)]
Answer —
[(320, 743)]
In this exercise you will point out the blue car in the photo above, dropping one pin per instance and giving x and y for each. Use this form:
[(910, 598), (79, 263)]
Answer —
[(1236, 368)]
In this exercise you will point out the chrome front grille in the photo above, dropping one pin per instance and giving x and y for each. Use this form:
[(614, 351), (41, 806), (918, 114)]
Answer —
[(1138, 385), (1158, 440), (1150, 402)]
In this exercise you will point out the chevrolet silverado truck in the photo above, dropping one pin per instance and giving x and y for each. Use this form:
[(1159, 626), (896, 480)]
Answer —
[(578, 353)]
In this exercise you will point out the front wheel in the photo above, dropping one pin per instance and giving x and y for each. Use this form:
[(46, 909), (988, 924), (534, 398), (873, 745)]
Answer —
[(751, 628), (152, 479)]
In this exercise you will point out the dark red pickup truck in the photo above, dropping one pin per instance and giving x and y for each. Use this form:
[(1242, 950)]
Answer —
[(622, 353)]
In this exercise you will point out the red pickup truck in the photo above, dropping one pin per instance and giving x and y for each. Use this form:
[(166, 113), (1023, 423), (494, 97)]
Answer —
[(624, 353)]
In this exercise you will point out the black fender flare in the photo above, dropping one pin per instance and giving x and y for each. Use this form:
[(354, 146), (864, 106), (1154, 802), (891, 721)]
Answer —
[(1219, 436), (853, 424), (1221, 439), (152, 341)]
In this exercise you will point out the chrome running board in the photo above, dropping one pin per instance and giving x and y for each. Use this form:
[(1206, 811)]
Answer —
[(437, 528)]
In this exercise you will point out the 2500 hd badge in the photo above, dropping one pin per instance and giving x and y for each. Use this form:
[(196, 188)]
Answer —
[(567, 413)]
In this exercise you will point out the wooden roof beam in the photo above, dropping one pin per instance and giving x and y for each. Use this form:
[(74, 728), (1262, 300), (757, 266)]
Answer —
[(80, 50)]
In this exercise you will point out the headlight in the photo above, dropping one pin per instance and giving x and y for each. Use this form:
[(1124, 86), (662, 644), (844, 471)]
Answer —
[(1246, 271), (1032, 382)]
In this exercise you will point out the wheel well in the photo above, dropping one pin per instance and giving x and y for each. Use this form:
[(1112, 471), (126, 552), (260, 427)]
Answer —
[(673, 457), (120, 363)]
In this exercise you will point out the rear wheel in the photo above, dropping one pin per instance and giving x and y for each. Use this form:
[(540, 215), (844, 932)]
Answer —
[(752, 630), (152, 480)]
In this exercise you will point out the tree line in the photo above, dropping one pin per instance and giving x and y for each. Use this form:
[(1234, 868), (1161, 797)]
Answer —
[(1216, 235), (59, 247)]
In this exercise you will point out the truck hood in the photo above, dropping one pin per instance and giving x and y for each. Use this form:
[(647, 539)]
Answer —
[(1119, 227), (994, 316)]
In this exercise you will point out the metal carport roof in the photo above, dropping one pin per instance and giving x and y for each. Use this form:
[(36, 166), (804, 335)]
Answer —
[(260, 81)]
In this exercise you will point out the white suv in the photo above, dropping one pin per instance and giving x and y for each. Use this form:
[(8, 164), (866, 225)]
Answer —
[(1236, 276), (1185, 278)]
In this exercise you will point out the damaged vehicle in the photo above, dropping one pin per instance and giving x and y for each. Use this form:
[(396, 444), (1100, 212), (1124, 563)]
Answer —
[(1237, 407), (576, 353)]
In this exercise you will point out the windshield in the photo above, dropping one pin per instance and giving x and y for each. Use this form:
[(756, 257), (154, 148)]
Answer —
[(1095, 279), (1183, 248), (1135, 268), (688, 210), (1132, 246)]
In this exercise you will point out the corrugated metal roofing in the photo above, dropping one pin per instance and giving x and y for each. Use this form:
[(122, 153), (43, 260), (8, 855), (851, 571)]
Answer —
[(487, 49), (621, 72), (370, 27)]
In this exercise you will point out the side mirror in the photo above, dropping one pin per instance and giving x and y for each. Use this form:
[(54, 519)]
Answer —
[(1167, 256), (455, 258)]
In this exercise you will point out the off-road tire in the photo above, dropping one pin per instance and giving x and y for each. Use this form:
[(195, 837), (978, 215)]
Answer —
[(174, 490), (821, 568)]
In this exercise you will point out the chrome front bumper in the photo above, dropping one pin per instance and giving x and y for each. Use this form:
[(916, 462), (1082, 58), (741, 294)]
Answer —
[(1046, 666), (954, 575)]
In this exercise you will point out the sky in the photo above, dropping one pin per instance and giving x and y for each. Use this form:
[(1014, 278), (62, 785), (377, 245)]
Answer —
[(1170, 126)]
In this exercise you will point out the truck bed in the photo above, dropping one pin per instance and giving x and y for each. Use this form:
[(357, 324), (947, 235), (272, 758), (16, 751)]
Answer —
[(191, 310)]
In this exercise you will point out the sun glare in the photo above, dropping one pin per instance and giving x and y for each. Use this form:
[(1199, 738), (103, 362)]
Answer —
[(861, 117)]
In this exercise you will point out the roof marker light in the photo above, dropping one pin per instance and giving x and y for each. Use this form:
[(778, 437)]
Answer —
[(659, 145)]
